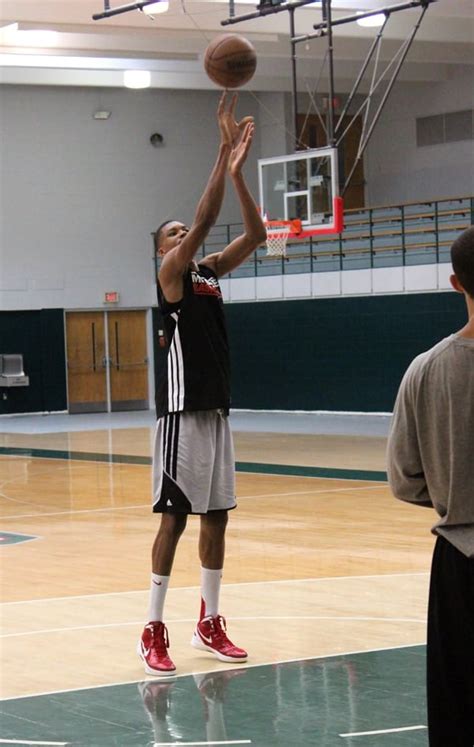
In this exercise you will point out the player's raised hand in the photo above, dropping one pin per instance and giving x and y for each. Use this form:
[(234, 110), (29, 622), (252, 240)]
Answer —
[(231, 130), (240, 151)]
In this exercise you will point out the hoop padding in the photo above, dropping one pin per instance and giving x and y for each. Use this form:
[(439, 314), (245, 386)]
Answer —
[(277, 237)]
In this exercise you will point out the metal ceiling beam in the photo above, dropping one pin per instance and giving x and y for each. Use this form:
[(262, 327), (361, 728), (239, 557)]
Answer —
[(108, 11)]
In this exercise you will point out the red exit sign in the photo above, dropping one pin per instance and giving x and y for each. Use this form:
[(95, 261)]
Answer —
[(112, 297)]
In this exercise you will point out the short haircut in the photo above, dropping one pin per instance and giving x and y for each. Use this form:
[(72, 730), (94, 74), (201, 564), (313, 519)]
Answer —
[(462, 258), (156, 235)]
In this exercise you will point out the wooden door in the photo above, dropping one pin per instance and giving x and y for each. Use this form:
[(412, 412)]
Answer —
[(314, 136), (86, 362), (128, 360)]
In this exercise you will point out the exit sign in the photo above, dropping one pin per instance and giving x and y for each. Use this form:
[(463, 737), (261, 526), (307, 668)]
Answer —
[(112, 297)]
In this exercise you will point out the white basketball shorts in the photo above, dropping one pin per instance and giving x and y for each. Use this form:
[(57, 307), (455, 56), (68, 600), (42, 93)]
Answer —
[(193, 463)]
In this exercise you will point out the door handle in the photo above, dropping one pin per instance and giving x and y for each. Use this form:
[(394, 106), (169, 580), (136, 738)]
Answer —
[(117, 352), (93, 346)]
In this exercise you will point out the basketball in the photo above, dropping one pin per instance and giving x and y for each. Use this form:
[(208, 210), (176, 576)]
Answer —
[(230, 60)]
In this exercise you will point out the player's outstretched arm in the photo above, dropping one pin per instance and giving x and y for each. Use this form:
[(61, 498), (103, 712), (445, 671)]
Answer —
[(254, 230), (177, 259)]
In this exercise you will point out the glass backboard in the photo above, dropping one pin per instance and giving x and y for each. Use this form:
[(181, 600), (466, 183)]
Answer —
[(302, 186)]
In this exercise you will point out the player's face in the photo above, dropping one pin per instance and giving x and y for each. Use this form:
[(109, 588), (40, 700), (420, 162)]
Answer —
[(171, 235)]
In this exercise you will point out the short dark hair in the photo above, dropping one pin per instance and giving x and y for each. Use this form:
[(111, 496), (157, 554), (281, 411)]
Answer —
[(462, 258), (156, 235)]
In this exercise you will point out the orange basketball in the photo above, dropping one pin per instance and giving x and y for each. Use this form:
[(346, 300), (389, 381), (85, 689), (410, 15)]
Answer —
[(230, 60)]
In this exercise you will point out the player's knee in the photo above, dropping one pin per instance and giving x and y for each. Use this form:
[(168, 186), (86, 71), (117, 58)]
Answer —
[(173, 525), (215, 522)]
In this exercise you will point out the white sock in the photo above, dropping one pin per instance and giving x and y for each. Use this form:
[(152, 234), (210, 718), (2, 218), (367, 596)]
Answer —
[(210, 588), (158, 589)]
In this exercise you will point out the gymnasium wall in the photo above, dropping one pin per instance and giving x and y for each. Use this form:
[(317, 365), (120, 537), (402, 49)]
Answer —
[(79, 197), (396, 170), (345, 354)]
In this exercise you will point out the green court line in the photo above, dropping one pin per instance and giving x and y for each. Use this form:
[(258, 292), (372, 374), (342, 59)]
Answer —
[(300, 471), (82, 456), (252, 467)]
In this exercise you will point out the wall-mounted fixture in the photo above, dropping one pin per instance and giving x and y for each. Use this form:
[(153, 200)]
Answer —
[(156, 139)]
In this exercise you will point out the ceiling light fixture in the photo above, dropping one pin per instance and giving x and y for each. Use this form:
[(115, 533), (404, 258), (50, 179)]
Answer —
[(7, 27), (378, 19), (137, 78), (160, 7), (34, 37)]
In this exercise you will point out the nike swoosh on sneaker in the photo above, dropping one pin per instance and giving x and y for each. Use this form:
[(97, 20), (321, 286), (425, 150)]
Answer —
[(204, 638)]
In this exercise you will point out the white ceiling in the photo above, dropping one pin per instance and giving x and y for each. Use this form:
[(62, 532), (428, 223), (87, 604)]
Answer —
[(95, 53)]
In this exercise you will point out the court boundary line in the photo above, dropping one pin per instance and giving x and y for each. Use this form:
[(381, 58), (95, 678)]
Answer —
[(186, 620), (149, 505), (242, 667), (202, 744), (231, 584), (27, 741), (349, 735)]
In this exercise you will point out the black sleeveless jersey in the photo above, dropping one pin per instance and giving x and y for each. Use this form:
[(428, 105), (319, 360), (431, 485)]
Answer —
[(197, 373)]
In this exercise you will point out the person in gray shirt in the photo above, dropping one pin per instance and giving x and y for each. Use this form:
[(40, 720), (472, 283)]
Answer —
[(430, 462)]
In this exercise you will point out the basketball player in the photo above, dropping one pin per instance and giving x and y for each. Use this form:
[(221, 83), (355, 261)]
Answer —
[(431, 463), (193, 468)]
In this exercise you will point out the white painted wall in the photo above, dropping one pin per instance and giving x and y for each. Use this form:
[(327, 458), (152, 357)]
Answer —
[(395, 169), (375, 281), (80, 197)]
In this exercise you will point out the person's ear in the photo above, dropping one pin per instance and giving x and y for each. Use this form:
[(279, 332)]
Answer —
[(456, 284)]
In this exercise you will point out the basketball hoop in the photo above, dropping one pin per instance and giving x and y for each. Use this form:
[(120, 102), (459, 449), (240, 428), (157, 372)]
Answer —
[(278, 233)]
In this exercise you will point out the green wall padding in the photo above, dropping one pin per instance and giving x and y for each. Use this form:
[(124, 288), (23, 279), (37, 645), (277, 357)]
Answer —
[(39, 336), (346, 354)]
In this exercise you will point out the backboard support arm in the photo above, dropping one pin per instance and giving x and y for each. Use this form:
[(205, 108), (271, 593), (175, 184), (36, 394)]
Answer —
[(108, 11), (363, 145), (325, 28)]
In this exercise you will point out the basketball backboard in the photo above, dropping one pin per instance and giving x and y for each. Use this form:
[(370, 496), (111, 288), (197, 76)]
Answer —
[(302, 186)]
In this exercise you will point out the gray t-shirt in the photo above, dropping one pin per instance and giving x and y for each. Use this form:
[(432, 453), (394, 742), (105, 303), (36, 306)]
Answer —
[(430, 454)]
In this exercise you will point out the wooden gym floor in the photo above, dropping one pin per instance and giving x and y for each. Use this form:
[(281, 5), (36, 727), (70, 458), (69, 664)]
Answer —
[(325, 584)]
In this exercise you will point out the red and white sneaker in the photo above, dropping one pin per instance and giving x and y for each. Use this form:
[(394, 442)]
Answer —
[(210, 635), (152, 649)]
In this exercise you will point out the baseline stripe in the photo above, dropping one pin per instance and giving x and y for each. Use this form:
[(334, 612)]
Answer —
[(23, 741), (194, 744), (341, 654), (382, 731), (250, 467)]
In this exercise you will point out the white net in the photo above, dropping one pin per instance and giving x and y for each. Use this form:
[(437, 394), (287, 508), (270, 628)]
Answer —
[(277, 237)]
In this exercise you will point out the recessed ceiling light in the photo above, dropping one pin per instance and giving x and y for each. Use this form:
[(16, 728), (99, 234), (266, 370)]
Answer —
[(378, 19), (137, 78), (34, 37), (8, 27), (160, 7)]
